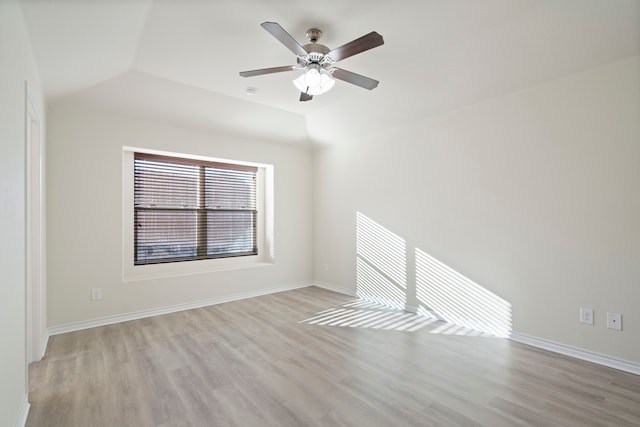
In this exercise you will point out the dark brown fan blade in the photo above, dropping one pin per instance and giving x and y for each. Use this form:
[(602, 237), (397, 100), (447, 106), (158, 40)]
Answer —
[(305, 96), (366, 42), (354, 78), (285, 38), (267, 71)]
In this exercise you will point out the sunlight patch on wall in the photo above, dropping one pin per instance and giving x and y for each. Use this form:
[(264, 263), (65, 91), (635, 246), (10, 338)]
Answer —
[(374, 286), (458, 300), (381, 266), (381, 278)]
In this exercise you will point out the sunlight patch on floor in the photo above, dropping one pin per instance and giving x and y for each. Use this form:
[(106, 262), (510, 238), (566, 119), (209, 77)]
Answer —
[(370, 315), (365, 314)]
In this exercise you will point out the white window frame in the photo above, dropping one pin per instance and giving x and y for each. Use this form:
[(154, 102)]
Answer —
[(265, 227)]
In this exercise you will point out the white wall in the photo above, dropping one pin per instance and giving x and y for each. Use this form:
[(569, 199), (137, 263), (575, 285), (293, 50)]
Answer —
[(534, 196), (84, 184), (17, 65)]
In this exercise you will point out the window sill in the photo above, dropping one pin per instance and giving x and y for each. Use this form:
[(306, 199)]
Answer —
[(187, 268)]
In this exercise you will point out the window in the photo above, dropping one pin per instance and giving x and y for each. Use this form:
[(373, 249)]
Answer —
[(187, 209)]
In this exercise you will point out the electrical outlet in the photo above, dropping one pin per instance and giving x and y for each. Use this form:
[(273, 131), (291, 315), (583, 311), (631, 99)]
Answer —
[(96, 293), (586, 316), (614, 321)]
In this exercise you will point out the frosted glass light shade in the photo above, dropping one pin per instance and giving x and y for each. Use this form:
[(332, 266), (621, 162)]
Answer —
[(314, 82)]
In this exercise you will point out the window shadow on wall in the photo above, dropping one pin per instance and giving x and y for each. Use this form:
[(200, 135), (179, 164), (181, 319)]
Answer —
[(458, 300), (386, 275), (381, 264)]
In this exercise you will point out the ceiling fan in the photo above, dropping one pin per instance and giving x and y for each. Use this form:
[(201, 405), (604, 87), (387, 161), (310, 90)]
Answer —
[(318, 61)]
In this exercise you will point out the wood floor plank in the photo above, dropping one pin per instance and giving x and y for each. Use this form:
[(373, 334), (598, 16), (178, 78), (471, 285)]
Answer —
[(311, 357)]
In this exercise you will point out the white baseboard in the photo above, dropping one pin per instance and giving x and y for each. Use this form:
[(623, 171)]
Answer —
[(411, 308), (109, 320), (43, 345), (334, 288), (556, 347), (23, 412), (579, 353)]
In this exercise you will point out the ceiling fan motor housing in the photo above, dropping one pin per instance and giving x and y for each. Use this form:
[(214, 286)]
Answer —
[(316, 55)]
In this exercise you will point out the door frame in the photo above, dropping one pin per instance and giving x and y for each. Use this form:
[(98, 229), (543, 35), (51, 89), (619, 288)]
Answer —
[(35, 308)]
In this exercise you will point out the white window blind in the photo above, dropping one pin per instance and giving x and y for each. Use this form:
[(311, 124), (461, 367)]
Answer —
[(189, 210)]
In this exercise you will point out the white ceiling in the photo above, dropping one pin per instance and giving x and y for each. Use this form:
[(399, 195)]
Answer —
[(178, 60)]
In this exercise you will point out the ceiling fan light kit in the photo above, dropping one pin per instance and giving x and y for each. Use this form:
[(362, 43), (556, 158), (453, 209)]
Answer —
[(318, 61), (314, 82)]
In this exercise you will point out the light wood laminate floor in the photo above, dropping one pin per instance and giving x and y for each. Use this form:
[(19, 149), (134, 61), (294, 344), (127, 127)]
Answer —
[(277, 360)]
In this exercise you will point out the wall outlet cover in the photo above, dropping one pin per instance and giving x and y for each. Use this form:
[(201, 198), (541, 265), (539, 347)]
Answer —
[(586, 316), (614, 321)]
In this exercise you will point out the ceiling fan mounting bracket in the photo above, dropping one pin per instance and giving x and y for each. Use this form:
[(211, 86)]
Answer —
[(313, 34)]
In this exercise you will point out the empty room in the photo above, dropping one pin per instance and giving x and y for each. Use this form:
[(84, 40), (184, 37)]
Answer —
[(304, 213)]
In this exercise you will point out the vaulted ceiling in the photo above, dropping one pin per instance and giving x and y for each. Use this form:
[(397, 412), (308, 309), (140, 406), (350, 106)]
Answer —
[(178, 60)]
